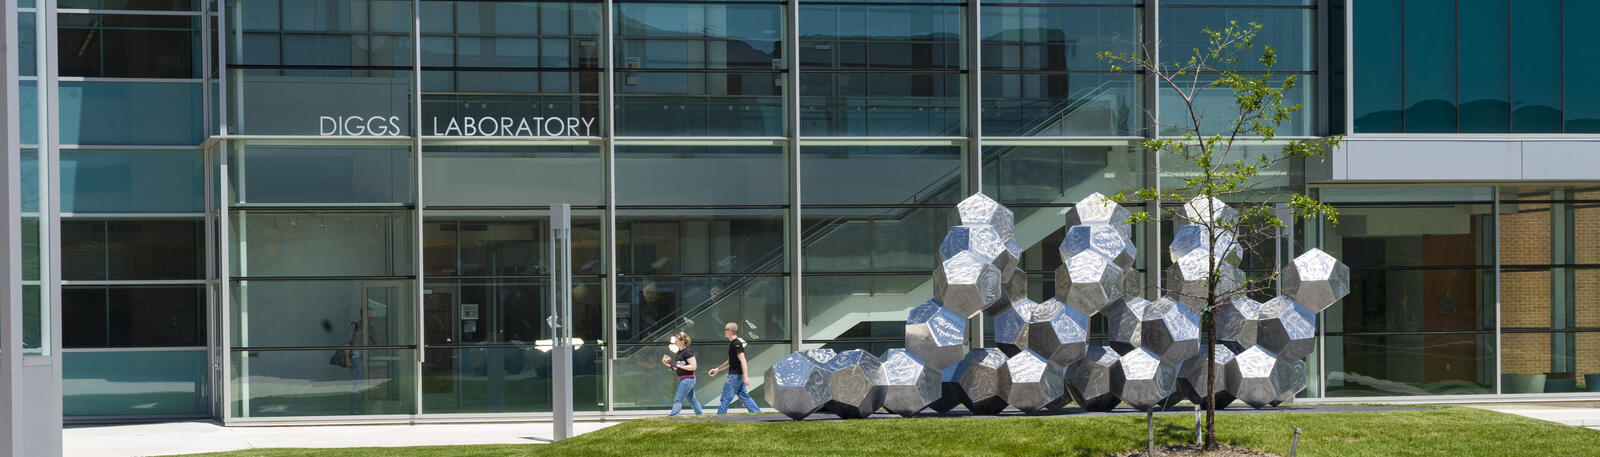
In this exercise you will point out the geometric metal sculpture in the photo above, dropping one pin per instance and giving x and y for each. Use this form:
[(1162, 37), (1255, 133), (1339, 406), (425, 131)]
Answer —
[(1096, 209), (1088, 282), (1011, 326), (1029, 382), (982, 240), (968, 284), (1280, 326), (979, 376), (980, 209), (1316, 280), (1297, 381), (855, 384), (797, 386), (1202, 210), (1258, 377), (1196, 240), (1236, 324), (1163, 328), (1058, 332), (1104, 240), (1089, 380), (936, 335), (1142, 380), (1186, 281), (908, 384), (1192, 378)]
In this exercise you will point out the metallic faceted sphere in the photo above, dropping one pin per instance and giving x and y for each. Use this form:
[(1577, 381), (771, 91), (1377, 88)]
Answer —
[(1104, 240), (982, 241), (1096, 209), (936, 335), (1058, 332), (1089, 380), (1142, 380), (909, 385), (1297, 382), (1280, 325), (979, 375), (1163, 327), (1258, 377), (1011, 326), (1316, 280), (1236, 326), (967, 284), (1030, 383), (1195, 240), (1186, 281), (1089, 282), (1192, 378), (980, 209), (796, 386), (1202, 210), (855, 384)]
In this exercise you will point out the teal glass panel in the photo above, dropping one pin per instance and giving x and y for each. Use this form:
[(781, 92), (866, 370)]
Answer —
[(133, 181), (133, 316), (129, 249), (507, 379), (1054, 38), (511, 103), (308, 383), (129, 46), (1535, 54), (901, 37), (155, 383), (883, 175), (1217, 109), (1290, 31), (319, 174), (32, 320), (30, 180), (639, 382), (880, 104), (1377, 61), (700, 242), (370, 313), (30, 249), (1042, 104), (130, 113), (308, 244), (1484, 73), (512, 176), (141, 5), (878, 240), (704, 36), (27, 45), (28, 111), (326, 102), (1430, 85), (1060, 174), (699, 175), (699, 104), (513, 34), (1581, 67)]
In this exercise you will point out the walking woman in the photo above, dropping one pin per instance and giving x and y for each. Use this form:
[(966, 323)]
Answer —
[(684, 366)]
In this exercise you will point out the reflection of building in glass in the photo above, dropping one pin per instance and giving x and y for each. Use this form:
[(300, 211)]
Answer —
[(241, 181)]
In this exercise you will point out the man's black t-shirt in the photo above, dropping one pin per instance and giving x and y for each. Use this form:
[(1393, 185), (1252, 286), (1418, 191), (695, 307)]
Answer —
[(735, 347), (683, 356)]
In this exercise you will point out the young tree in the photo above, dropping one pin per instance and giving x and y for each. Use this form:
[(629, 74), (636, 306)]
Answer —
[(1221, 172)]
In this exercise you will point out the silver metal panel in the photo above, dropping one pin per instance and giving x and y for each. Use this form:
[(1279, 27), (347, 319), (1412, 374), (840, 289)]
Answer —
[(909, 385), (1029, 382), (1058, 332), (796, 386), (1142, 379), (936, 335), (1089, 380), (1429, 160), (856, 383), (979, 376)]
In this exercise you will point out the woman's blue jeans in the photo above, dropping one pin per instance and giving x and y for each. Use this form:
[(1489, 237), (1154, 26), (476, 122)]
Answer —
[(685, 390)]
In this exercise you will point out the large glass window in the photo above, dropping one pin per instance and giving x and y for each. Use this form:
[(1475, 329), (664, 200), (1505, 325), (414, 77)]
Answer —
[(880, 175), (1550, 266), (133, 316), (699, 69), (110, 181), (129, 45), (308, 244), (512, 176), (128, 249), (130, 113), (898, 76), (326, 175), (700, 175), (148, 383)]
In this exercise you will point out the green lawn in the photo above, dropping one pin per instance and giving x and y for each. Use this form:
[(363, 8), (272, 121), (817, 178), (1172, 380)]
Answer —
[(1449, 431)]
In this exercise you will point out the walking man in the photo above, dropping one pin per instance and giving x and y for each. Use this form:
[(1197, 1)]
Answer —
[(737, 383)]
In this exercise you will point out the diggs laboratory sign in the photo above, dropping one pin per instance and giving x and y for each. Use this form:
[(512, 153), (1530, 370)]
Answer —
[(490, 126)]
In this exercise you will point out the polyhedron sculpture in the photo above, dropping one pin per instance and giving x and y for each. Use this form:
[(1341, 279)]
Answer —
[(1186, 281), (1101, 239), (1316, 280), (1202, 210), (1280, 326), (1195, 240), (796, 386), (980, 209), (1162, 327), (936, 335), (909, 385), (1058, 332), (1011, 326), (1088, 282), (1029, 382), (855, 384), (1142, 380), (1257, 377), (968, 284), (1089, 380), (1096, 209), (979, 375), (1297, 382), (982, 241), (1192, 378)]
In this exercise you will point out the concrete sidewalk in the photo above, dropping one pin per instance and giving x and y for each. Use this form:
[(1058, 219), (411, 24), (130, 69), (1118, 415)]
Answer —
[(198, 437), (1577, 414)]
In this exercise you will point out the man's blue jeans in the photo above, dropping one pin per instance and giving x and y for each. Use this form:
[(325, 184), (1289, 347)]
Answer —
[(685, 390), (735, 386)]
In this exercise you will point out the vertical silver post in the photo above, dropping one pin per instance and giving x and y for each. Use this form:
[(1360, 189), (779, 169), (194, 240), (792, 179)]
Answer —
[(561, 304), (795, 226)]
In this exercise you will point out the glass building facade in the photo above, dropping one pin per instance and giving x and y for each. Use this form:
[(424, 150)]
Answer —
[(273, 210)]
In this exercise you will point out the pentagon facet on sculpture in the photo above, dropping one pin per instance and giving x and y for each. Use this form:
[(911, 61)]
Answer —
[(909, 385), (936, 335), (1096, 209), (1237, 324), (1257, 377), (1161, 327), (1058, 332), (967, 284), (1029, 382), (1316, 280), (1089, 379), (1088, 282), (1192, 378), (796, 386), (1104, 240), (1285, 328), (855, 384), (980, 209), (979, 375), (980, 240), (1011, 326), (1142, 380)]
